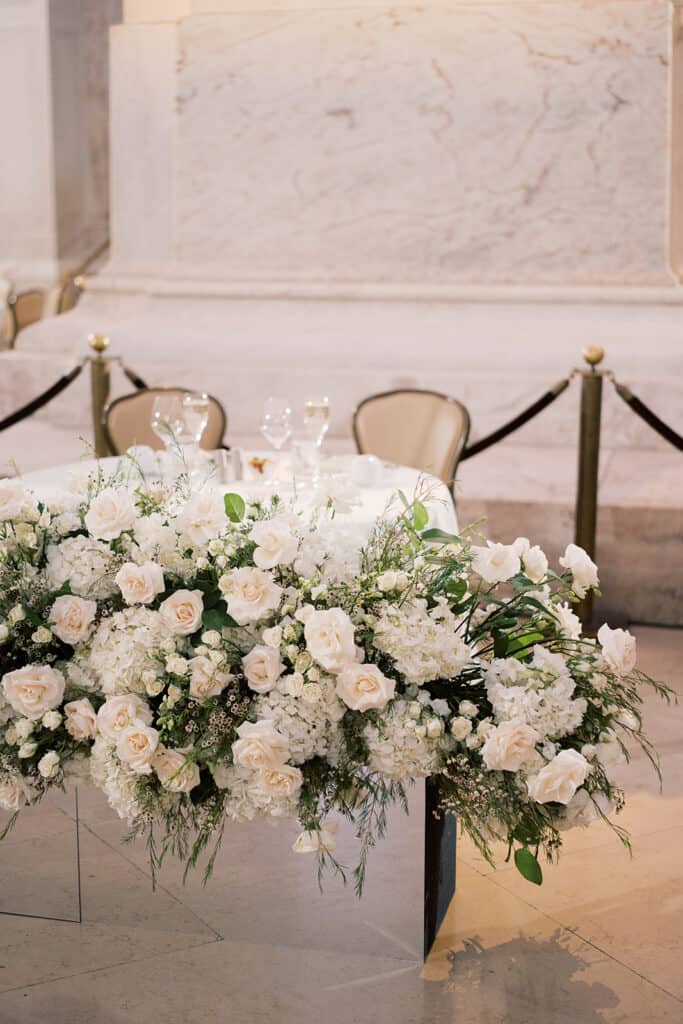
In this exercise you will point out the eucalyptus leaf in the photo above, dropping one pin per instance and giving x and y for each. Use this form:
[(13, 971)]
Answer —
[(528, 866), (234, 507), (436, 534), (420, 515)]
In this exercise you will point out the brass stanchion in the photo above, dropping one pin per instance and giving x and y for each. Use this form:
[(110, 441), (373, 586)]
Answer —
[(100, 379), (589, 459)]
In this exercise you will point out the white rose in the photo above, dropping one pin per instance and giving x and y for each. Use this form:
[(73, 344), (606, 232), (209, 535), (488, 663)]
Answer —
[(16, 614), (12, 793), (118, 713), (205, 679), (569, 622), (387, 581), (583, 809), (174, 771), (363, 687), (51, 720), (435, 728), (71, 618), (262, 668), (496, 562), (4, 632), (325, 839), (251, 594), (81, 720), (293, 685), (508, 746), (275, 544), (468, 709), (535, 564), (618, 649), (33, 690), (211, 638), (610, 753), (330, 638), (203, 517), (111, 512), (136, 746), (23, 728), (27, 749), (282, 781), (181, 613), (48, 766), (13, 498), (259, 745), (272, 637), (140, 584), (583, 569), (559, 780), (461, 727)]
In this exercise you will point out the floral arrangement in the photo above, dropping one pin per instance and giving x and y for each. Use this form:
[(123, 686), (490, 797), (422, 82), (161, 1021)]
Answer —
[(204, 662)]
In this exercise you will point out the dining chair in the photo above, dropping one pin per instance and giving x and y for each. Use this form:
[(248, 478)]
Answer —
[(423, 429), (128, 421)]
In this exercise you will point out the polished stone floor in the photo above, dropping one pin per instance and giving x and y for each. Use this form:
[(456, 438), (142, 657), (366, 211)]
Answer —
[(601, 940)]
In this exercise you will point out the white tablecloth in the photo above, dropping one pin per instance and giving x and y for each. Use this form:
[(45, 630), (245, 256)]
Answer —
[(365, 503)]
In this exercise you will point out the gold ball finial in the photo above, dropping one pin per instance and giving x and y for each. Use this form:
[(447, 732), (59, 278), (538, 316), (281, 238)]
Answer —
[(593, 354), (79, 282), (98, 343)]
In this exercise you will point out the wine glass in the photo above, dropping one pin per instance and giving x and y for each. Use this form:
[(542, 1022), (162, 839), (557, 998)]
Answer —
[(317, 418), (168, 422), (195, 414), (276, 423)]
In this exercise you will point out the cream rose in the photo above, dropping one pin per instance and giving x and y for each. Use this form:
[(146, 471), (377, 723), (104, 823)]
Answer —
[(140, 584), (81, 720), (12, 794), (559, 780), (33, 690), (618, 649), (48, 766), (182, 612), (508, 746), (203, 517), (283, 781), (118, 713), (71, 618), (111, 512), (136, 746), (363, 687), (260, 745), (311, 842), (262, 668), (275, 544), (251, 594), (583, 809), (205, 678), (330, 638), (583, 569), (174, 771)]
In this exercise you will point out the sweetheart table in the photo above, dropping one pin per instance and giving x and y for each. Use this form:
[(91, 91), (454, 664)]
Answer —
[(412, 874)]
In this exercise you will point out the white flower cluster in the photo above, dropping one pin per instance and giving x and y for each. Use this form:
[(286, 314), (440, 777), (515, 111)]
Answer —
[(307, 714), (84, 563), (403, 747), (123, 649), (539, 693), (424, 643), (117, 781)]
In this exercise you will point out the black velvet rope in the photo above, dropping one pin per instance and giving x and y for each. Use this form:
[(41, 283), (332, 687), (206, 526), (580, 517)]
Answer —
[(646, 414), (538, 406), (133, 377), (41, 400)]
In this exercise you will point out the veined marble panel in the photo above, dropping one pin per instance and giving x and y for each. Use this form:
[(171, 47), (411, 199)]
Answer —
[(470, 142)]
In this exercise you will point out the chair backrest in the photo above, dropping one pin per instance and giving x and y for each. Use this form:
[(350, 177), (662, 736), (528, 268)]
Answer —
[(422, 429), (28, 307), (127, 421)]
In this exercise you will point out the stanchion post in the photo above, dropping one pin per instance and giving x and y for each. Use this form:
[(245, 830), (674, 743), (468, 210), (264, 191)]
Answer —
[(100, 380), (589, 461)]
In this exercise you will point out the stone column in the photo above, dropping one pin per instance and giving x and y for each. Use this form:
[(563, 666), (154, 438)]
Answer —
[(54, 170)]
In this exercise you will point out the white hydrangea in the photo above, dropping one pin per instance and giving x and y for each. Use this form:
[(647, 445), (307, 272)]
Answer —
[(309, 719), (86, 564), (123, 649), (245, 799), (539, 693), (424, 643), (398, 749), (117, 782), (332, 549)]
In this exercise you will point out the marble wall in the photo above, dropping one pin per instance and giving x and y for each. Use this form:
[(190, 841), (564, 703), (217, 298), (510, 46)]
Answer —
[(498, 143), (54, 98)]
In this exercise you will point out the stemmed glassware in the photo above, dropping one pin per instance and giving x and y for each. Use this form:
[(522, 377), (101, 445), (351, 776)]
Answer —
[(179, 420), (317, 418), (276, 423)]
